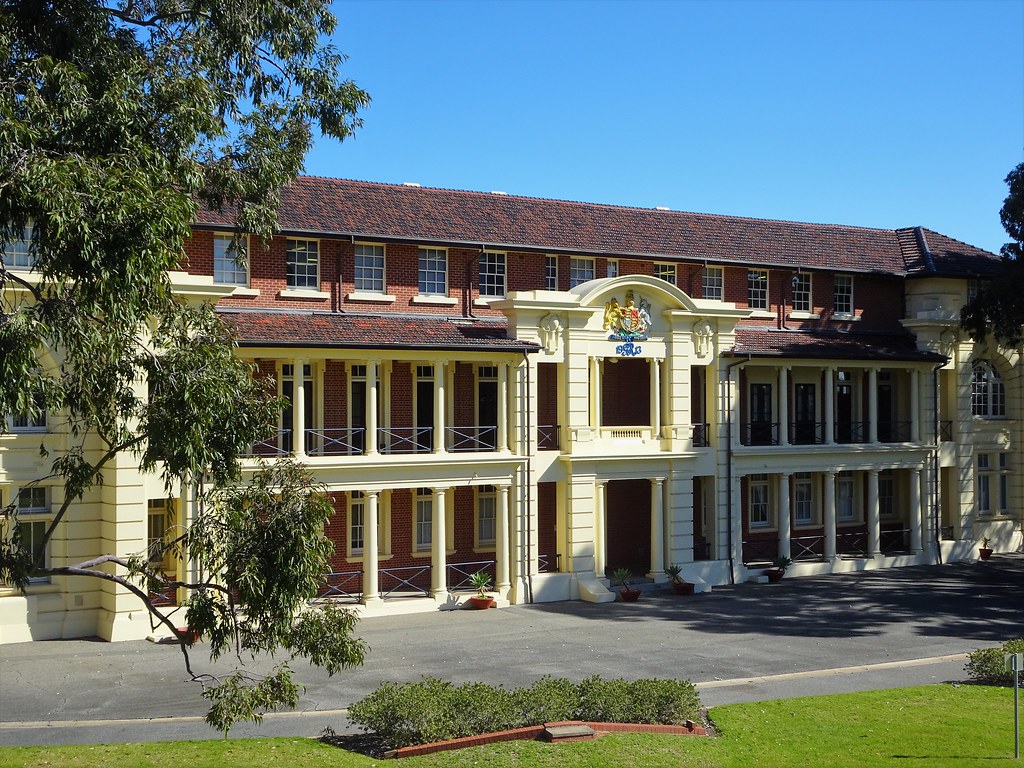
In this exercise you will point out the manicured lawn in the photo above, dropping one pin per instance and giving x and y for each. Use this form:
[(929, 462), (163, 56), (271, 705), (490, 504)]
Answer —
[(929, 726)]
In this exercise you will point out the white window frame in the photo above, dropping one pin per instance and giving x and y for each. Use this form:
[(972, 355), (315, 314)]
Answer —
[(228, 269), (433, 272), (493, 274), (159, 518), (423, 520), (581, 270), (712, 283), (302, 271), (18, 253), (802, 295), (887, 494), (803, 499), (992, 484), (988, 393), (759, 500), (369, 268), (23, 422), (36, 514), (757, 288), (842, 295), (486, 523), (356, 522), (613, 268), (846, 498), (666, 271), (551, 273)]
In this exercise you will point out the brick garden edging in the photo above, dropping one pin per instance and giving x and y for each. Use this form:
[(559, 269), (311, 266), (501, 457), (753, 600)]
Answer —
[(535, 732)]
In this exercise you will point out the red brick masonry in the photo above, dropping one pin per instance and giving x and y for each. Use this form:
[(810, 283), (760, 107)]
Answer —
[(537, 731)]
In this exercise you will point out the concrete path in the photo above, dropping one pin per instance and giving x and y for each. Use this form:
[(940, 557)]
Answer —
[(881, 629)]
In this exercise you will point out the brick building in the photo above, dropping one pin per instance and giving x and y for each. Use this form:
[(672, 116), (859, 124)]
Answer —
[(552, 390)]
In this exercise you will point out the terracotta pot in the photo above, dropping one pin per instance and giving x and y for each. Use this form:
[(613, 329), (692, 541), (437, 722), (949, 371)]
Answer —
[(629, 595), (481, 602), (984, 553), (774, 575), (682, 587), (191, 635)]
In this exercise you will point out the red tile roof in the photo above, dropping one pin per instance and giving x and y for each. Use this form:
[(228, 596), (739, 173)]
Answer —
[(829, 345), (344, 330), (386, 211)]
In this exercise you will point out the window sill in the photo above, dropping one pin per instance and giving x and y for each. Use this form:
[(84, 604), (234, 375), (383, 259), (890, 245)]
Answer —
[(846, 316), (484, 549), (447, 301), (762, 314), (356, 558), (380, 298), (243, 291), (804, 316), (427, 553), (485, 301), (302, 293)]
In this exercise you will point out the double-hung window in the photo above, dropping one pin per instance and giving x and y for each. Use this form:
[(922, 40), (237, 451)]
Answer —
[(988, 395), (711, 283), (30, 421), (992, 484), (18, 253), (666, 272), (486, 516), (802, 293), (760, 509), (369, 268), (424, 519), (303, 264), (886, 494), (757, 288), (843, 295), (356, 522), (229, 261), (613, 267), (433, 272), (33, 519), (803, 499), (551, 273), (492, 274), (845, 510), (580, 271)]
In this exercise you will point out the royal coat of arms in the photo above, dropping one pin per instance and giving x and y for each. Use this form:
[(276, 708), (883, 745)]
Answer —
[(629, 321)]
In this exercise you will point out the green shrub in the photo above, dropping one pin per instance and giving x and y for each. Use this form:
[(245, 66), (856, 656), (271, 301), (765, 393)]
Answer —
[(432, 709), (986, 665)]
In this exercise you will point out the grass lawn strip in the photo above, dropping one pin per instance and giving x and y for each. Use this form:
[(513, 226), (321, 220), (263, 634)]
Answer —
[(937, 725)]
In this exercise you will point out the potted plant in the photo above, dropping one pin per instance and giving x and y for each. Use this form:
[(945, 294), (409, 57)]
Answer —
[(778, 569), (679, 585), (984, 551), (622, 576), (481, 581)]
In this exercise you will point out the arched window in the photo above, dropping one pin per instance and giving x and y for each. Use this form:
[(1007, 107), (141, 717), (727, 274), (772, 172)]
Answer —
[(988, 397)]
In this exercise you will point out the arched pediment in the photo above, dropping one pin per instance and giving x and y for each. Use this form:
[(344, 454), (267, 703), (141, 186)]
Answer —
[(595, 293)]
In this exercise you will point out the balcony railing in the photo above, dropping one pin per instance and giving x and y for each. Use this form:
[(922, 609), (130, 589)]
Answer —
[(549, 563), (760, 551), (459, 575), (547, 437), (807, 547), (277, 444), (700, 435), (472, 438), (854, 543), (807, 432), (405, 439), (895, 541), (851, 432), (335, 442), (945, 431), (894, 431), (759, 433)]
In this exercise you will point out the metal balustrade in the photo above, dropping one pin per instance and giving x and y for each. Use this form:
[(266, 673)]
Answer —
[(759, 433), (403, 582), (471, 438), (458, 575), (853, 543), (894, 431), (277, 444), (391, 440), (699, 435), (851, 431), (807, 433), (807, 547), (341, 585), (335, 442), (945, 431), (701, 550), (760, 551), (947, 533), (895, 541), (549, 563), (547, 437)]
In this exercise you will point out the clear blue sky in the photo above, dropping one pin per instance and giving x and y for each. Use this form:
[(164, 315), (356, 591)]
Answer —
[(879, 114)]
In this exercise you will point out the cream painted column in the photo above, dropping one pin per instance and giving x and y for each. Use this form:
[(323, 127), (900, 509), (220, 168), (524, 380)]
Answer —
[(785, 517), (830, 402), (371, 546), (600, 531), (371, 407), (872, 405), (736, 544), (438, 541), (501, 542), (657, 528), (299, 409), (501, 441), (655, 396), (915, 511), (595, 393), (439, 407), (874, 520), (915, 405), (830, 516)]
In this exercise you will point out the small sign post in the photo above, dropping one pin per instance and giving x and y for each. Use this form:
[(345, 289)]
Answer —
[(1014, 663)]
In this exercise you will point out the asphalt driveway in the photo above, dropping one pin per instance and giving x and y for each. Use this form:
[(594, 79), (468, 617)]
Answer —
[(878, 629)]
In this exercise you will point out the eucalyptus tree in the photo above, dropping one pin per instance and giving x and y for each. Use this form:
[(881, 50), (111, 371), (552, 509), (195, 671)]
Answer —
[(118, 120)]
